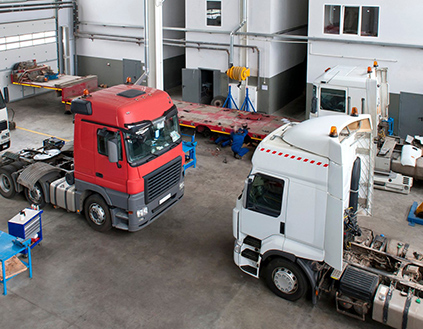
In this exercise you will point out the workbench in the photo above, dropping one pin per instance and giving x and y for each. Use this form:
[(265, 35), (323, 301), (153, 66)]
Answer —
[(10, 247)]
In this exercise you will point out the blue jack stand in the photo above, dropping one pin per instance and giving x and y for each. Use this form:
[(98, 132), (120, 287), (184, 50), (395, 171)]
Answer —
[(229, 100), (412, 218), (390, 122), (247, 103)]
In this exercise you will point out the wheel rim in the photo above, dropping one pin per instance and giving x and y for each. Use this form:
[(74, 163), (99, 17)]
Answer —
[(5, 183), (35, 195), (285, 280), (97, 214)]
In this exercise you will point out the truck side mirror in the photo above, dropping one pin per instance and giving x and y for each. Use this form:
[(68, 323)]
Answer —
[(6, 94), (113, 150), (313, 105)]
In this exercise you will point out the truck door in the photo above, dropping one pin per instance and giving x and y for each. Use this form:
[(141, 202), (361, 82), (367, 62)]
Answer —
[(263, 213), (333, 101), (110, 175)]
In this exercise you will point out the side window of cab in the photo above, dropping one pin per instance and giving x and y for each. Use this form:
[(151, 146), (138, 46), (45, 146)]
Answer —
[(265, 195)]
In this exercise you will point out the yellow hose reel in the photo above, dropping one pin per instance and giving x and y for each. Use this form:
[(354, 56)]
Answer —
[(239, 73)]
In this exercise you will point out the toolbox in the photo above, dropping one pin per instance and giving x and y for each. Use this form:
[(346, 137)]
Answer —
[(27, 225)]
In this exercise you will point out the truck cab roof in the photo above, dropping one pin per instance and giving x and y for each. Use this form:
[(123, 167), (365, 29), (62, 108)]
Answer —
[(122, 104), (348, 76), (313, 135)]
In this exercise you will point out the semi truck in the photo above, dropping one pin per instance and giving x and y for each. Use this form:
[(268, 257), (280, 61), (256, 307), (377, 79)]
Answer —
[(124, 168), (341, 89), (295, 223), (4, 121)]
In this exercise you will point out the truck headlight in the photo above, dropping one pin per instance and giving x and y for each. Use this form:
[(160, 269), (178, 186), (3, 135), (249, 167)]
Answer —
[(142, 212), (181, 185)]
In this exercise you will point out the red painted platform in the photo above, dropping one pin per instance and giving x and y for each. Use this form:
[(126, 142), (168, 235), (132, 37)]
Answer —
[(222, 120)]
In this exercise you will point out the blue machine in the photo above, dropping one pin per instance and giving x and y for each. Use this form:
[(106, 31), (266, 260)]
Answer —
[(27, 225), (189, 149)]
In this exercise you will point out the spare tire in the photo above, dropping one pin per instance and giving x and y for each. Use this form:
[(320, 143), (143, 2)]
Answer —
[(218, 101)]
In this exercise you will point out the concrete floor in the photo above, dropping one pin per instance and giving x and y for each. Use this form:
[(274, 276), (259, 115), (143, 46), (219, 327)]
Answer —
[(177, 272)]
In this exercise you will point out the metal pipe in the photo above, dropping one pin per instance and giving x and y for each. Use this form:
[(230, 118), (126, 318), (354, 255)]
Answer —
[(196, 47), (254, 48), (299, 38), (112, 25), (146, 46), (92, 35), (232, 34), (107, 38), (31, 9), (37, 6), (27, 20)]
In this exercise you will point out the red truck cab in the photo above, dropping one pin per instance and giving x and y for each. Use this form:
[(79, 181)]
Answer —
[(127, 152)]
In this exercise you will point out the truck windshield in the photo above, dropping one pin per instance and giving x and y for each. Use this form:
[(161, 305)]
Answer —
[(152, 138), (332, 100)]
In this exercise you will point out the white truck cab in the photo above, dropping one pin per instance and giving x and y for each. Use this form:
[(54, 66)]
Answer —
[(293, 202), (295, 223), (4, 121), (341, 88)]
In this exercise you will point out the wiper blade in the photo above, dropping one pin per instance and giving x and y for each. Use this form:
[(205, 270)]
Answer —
[(151, 157)]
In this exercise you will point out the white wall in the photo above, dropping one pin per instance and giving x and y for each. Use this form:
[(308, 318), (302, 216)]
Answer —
[(131, 13), (398, 24), (269, 16)]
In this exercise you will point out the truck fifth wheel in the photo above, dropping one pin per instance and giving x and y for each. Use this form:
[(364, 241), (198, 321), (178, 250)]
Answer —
[(295, 223), (124, 169)]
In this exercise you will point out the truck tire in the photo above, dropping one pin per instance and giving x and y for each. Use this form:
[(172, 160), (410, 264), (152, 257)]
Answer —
[(97, 213), (35, 196), (218, 101), (285, 279), (7, 184)]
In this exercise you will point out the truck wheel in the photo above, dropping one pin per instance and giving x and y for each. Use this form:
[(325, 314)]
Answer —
[(218, 101), (285, 279), (97, 213), (7, 185), (35, 195)]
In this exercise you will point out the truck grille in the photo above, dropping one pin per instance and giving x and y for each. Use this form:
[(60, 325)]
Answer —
[(162, 179), (3, 125)]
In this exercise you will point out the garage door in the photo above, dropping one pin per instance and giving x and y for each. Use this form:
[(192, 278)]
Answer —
[(26, 41)]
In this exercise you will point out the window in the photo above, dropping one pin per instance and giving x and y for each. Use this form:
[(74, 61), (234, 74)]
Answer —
[(214, 13), (332, 19), (27, 40), (265, 195), (351, 20), (355, 20), (369, 21), (103, 136), (332, 100)]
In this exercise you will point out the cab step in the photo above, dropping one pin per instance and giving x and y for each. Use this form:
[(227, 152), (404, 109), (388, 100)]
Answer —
[(250, 254)]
